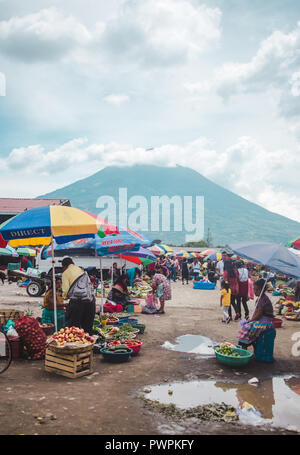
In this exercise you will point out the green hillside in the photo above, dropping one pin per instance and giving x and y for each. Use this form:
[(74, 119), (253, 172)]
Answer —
[(228, 216)]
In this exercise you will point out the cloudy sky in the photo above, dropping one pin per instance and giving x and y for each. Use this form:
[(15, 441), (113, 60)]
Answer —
[(213, 85)]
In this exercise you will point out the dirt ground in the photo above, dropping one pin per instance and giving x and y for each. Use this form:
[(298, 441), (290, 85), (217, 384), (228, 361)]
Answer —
[(107, 402)]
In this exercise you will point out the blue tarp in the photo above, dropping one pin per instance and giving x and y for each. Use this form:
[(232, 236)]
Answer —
[(276, 257)]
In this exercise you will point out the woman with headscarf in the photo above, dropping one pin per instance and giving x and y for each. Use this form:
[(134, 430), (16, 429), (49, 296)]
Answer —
[(262, 318)]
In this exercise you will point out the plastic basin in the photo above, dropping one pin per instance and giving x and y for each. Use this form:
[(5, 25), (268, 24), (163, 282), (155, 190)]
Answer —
[(135, 348), (128, 321), (234, 361), (112, 321), (116, 357), (141, 327)]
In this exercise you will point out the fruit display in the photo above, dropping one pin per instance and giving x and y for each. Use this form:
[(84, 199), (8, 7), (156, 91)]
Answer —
[(72, 335), (228, 351)]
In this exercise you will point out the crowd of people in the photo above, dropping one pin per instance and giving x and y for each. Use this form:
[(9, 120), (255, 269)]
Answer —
[(234, 277)]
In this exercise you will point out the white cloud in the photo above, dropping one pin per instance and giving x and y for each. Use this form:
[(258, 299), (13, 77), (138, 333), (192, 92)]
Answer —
[(45, 35), (151, 32), (246, 168), (116, 100), (162, 32), (274, 65)]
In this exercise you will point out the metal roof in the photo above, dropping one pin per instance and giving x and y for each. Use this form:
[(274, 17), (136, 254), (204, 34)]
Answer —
[(16, 205)]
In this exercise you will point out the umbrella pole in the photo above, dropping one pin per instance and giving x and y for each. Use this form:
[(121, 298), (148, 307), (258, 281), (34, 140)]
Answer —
[(112, 275), (101, 274), (54, 284)]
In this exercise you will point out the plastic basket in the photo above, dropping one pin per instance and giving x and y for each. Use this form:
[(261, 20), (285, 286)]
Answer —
[(141, 327), (115, 357), (234, 361)]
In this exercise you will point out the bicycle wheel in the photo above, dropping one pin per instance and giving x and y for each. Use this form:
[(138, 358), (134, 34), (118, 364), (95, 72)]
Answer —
[(5, 352)]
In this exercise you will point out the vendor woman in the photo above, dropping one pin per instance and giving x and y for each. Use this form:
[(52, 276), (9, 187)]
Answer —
[(48, 311), (119, 292), (262, 318)]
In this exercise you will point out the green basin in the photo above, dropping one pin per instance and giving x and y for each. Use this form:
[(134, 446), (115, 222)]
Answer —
[(234, 361)]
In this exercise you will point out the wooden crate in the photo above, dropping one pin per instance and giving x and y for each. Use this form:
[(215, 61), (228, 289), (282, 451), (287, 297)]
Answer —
[(13, 315), (69, 365)]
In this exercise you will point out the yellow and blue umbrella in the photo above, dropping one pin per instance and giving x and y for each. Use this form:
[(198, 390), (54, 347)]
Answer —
[(167, 248), (214, 257), (39, 225), (183, 254)]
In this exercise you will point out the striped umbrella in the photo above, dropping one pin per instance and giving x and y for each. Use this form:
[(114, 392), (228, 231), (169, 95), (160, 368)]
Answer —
[(39, 226), (142, 256), (8, 251), (167, 248), (183, 254), (214, 257), (157, 250), (208, 252), (26, 252)]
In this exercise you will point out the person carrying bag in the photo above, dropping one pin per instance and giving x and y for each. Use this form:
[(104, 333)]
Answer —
[(77, 287)]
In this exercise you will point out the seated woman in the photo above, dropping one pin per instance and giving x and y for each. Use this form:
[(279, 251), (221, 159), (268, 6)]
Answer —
[(118, 295), (48, 311), (262, 318)]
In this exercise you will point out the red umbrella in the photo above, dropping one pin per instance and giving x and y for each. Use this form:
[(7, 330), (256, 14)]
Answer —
[(296, 244)]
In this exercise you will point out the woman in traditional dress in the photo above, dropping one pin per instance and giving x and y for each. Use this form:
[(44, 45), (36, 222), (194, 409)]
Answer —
[(262, 318)]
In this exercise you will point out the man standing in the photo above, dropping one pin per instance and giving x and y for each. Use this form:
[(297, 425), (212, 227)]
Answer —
[(220, 266), (77, 287)]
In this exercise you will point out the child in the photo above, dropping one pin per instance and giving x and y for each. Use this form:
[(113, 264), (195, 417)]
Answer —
[(225, 300)]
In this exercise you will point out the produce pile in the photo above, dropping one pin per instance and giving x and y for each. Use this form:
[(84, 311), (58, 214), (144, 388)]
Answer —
[(140, 290), (71, 335), (118, 349), (125, 331), (130, 343), (32, 336), (227, 349)]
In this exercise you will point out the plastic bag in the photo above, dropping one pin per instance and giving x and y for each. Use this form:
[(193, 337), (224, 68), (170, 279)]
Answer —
[(9, 324), (250, 289), (34, 273), (11, 332), (151, 301), (248, 415)]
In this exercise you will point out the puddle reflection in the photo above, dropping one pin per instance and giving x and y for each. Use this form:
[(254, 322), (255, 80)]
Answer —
[(277, 399)]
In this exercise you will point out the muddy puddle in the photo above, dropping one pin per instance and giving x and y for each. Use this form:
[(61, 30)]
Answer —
[(274, 402), (192, 344)]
